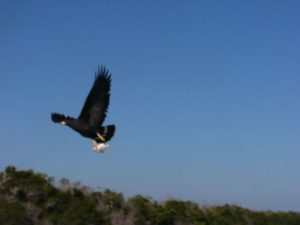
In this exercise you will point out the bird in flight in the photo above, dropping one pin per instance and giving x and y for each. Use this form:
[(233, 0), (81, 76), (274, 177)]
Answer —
[(90, 120)]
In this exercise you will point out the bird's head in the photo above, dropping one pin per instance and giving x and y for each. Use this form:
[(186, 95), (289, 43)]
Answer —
[(60, 118)]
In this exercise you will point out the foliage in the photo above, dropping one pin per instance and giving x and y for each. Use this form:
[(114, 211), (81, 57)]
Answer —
[(13, 213), (29, 198), (72, 207)]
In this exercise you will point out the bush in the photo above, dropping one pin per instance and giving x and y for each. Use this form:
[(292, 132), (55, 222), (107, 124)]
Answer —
[(13, 214), (29, 198)]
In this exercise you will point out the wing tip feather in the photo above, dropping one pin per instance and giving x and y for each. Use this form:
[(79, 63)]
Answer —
[(103, 73)]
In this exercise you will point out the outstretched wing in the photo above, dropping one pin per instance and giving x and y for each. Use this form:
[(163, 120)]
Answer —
[(96, 104)]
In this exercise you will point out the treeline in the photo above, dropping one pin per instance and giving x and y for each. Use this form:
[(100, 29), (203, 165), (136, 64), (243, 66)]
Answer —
[(30, 198)]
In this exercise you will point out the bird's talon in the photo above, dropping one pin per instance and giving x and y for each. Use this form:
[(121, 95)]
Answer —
[(100, 137)]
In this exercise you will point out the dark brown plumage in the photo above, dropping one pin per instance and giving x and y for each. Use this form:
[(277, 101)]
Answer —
[(89, 122)]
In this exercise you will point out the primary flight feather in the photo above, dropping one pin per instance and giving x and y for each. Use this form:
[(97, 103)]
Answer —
[(89, 122)]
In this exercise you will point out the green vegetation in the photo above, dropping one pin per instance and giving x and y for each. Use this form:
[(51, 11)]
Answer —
[(30, 198)]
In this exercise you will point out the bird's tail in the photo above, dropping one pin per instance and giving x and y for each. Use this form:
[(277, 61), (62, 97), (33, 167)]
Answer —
[(108, 131)]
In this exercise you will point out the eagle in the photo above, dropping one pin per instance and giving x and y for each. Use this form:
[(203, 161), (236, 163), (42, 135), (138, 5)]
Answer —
[(93, 113)]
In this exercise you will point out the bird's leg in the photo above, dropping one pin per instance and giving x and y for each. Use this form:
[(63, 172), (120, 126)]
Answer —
[(100, 137)]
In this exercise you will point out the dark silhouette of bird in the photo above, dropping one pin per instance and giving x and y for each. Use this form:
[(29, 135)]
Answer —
[(89, 122)]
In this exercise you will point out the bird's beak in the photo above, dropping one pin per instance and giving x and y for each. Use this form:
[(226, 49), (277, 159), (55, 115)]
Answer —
[(63, 122)]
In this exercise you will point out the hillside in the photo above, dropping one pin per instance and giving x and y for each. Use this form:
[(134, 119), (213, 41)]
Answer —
[(28, 197)]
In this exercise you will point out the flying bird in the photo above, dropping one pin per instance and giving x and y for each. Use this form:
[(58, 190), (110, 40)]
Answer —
[(90, 120)]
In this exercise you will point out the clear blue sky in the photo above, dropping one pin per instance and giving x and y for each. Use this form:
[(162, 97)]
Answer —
[(205, 96)]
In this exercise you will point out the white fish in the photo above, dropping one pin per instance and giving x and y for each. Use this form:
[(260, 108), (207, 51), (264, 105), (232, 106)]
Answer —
[(100, 147)]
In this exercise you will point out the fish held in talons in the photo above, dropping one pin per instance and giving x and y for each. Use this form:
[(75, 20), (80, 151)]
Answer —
[(100, 147)]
